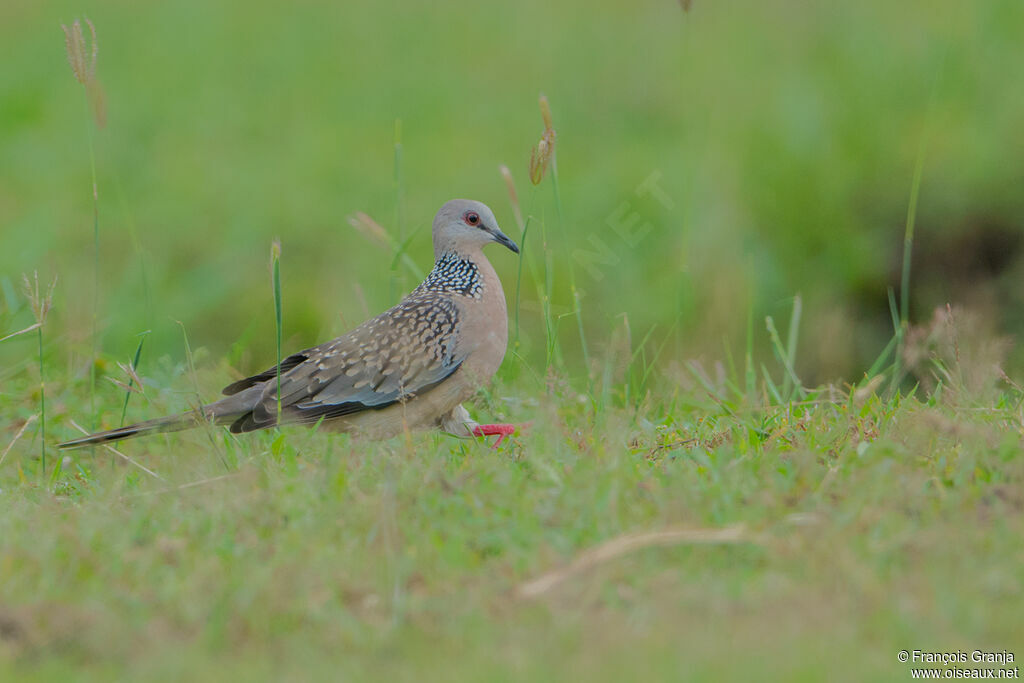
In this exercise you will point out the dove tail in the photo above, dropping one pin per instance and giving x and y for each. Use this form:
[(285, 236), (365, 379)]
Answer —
[(173, 423), (224, 411)]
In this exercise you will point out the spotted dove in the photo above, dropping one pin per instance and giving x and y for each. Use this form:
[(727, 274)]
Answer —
[(409, 368)]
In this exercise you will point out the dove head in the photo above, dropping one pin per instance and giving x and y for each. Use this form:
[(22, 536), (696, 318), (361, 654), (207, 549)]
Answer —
[(465, 225)]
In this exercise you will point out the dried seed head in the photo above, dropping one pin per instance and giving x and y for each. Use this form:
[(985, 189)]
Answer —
[(82, 59), (41, 303), (95, 49), (135, 382), (124, 387), (536, 167), (73, 45), (686, 5), (541, 155), (275, 251), (370, 229), (513, 197), (536, 172), (545, 113)]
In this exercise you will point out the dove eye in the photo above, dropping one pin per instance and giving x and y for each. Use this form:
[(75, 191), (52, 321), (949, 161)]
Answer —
[(472, 218)]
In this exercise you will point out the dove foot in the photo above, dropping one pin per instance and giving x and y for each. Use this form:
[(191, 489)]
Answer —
[(501, 430)]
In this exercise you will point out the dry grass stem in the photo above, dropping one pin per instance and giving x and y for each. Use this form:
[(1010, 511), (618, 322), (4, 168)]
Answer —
[(182, 487), (513, 197), (31, 327), (17, 436), (630, 543), (119, 453), (370, 229), (121, 385)]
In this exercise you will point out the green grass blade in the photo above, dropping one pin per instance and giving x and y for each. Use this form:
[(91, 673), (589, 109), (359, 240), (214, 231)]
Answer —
[(793, 334), (883, 357), (275, 264), (750, 372), (770, 385), (42, 402), (401, 255), (519, 275), (131, 381), (791, 382)]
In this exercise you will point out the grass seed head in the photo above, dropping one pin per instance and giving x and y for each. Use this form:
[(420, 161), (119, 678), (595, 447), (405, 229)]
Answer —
[(133, 377), (370, 229), (513, 197), (545, 113), (41, 302), (74, 43), (82, 58), (540, 156)]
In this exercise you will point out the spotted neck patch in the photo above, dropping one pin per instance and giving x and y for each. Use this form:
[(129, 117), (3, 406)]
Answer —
[(454, 275)]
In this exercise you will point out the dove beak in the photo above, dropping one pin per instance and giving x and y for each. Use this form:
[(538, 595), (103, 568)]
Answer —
[(504, 240)]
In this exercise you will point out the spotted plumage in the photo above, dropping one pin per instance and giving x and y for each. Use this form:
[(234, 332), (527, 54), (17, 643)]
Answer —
[(388, 359), (408, 368), (453, 274)]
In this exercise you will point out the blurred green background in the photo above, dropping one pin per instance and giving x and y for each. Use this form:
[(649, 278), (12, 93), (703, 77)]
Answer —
[(784, 134)]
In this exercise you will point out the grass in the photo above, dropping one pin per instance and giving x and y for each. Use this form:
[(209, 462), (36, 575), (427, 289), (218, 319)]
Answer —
[(134, 382), (867, 525), (799, 181), (672, 512), (275, 278), (82, 58), (42, 401)]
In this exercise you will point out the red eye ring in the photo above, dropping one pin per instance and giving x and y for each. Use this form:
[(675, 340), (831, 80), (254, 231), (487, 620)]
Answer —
[(472, 218)]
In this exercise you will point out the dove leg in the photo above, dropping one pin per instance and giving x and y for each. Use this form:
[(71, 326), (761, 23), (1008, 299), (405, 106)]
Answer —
[(501, 430)]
